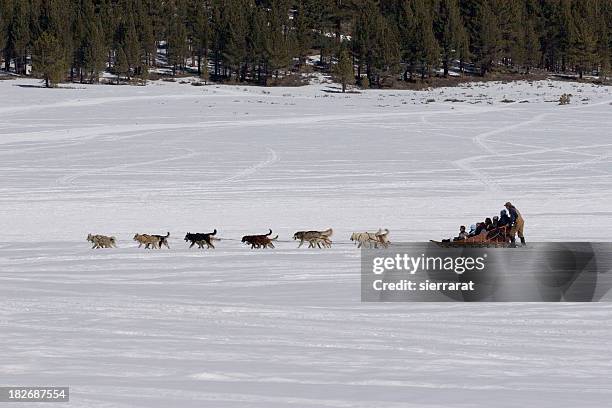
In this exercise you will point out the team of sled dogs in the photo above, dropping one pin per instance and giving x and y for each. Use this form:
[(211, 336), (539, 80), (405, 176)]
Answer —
[(315, 239)]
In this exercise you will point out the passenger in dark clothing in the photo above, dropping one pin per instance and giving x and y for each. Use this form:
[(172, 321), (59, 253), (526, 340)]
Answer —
[(495, 221), (503, 219), (488, 224), (513, 213), (480, 227)]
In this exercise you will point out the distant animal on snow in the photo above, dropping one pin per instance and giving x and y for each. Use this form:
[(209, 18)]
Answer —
[(314, 238), (201, 239), (163, 240), (102, 241), (383, 237), (371, 239), (152, 241), (259, 241), (149, 241)]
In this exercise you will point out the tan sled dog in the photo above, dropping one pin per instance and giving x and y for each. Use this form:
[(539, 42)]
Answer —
[(149, 241)]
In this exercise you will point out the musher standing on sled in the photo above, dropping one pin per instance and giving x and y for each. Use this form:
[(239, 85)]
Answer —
[(517, 223)]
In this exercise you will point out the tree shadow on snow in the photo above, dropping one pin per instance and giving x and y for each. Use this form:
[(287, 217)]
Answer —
[(335, 90), (29, 86)]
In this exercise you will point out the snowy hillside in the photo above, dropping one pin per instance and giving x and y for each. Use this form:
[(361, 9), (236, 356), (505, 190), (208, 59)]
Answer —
[(276, 328)]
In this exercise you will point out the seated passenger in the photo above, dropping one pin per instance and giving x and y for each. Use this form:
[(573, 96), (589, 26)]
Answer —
[(488, 224), (504, 219), (462, 234), (472, 230), (495, 221)]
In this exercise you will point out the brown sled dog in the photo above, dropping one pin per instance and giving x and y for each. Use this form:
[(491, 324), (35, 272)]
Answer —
[(152, 241), (259, 241)]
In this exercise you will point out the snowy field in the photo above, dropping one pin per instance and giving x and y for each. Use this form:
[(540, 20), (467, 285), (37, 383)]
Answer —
[(285, 327)]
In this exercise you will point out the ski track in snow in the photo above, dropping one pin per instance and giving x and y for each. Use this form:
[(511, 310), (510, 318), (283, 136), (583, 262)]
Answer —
[(240, 328), (270, 160)]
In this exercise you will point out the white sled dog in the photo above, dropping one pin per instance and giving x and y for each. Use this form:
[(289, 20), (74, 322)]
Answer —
[(313, 238), (102, 241), (383, 237), (371, 239)]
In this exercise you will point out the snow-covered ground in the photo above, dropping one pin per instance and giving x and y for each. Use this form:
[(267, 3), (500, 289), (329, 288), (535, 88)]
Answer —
[(285, 327)]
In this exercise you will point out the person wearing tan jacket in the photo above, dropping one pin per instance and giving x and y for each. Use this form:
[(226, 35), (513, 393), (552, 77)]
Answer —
[(517, 223)]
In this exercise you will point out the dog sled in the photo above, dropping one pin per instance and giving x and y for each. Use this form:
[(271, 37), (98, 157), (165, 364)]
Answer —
[(497, 238), (463, 244)]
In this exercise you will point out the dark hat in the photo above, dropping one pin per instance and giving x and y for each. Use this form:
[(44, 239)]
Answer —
[(508, 204)]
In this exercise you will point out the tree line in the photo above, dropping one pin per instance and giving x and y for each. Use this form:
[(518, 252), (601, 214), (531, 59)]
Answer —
[(373, 42)]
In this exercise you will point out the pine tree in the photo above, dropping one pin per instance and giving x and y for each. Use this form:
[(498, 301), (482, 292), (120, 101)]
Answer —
[(463, 49), (376, 46), (234, 36), (121, 64), (509, 18), (532, 46), (94, 52), (320, 12), (406, 22), (566, 34), (344, 69), (256, 44), (177, 42), (450, 32), (361, 41), (19, 36), (277, 46), (487, 40), (89, 50), (387, 59), (204, 71), (302, 33), (4, 18), (584, 42), (48, 59), (605, 40), (200, 32), (147, 40), (427, 47), (132, 49), (143, 73), (59, 18)]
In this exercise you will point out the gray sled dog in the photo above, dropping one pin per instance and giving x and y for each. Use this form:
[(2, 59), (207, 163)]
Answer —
[(102, 241), (313, 238)]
